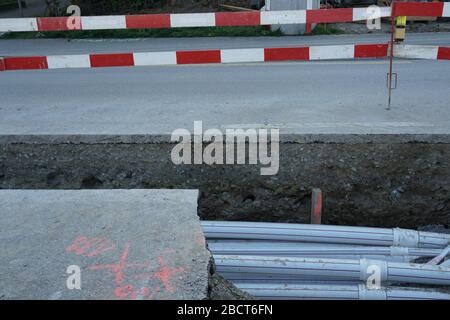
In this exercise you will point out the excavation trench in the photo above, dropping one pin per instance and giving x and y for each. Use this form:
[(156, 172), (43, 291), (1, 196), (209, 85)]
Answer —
[(370, 180), (367, 180)]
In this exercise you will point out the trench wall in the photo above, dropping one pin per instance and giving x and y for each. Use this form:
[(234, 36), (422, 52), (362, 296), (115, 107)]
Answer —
[(371, 180)]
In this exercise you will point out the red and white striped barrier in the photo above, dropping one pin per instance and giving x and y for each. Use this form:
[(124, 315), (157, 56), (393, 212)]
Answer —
[(179, 20), (221, 19), (422, 9), (2, 65), (312, 53), (422, 52), (197, 57)]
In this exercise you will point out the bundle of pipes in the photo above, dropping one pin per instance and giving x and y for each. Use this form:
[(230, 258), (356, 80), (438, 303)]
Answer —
[(294, 261), (338, 292), (299, 249), (324, 234)]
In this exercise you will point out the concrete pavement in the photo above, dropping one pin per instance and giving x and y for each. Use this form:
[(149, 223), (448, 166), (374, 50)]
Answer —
[(298, 97), (127, 244)]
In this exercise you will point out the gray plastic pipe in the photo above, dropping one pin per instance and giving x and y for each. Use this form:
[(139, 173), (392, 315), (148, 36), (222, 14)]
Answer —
[(298, 249), (441, 256), (445, 264), (281, 278), (324, 234), (335, 268), (329, 291)]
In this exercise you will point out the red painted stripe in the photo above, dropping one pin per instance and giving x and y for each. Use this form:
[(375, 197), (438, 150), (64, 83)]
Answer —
[(443, 53), (205, 56), (371, 50), (59, 23), (2, 65), (111, 60), (25, 63), (238, 18), (308, 28), (329, 15), (316, 206), (145, 21), (286, 54), (419, 9)]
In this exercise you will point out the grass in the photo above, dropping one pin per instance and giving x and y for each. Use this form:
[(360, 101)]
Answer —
[(146, 33), (7, 2), (252, 31), (324, 29)]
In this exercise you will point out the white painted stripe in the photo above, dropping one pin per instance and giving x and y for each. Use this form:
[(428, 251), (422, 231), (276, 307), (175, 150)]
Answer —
[(103, 22), (192, 20), (69, 61), (332, 52), (283, 17), (446, 11), (21, 24), (242, 55), (416, 52), (371, 13), (155, 58)]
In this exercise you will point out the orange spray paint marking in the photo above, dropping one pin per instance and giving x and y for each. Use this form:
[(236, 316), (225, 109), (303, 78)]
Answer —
[(123, 292), (130, 293), (165, 274), (90, 247), (119, 267)]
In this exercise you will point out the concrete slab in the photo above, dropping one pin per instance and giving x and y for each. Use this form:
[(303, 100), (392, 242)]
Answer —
[(128, 244)]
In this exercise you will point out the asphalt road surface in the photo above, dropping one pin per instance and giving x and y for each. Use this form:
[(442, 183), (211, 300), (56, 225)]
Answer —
[(303, 97)]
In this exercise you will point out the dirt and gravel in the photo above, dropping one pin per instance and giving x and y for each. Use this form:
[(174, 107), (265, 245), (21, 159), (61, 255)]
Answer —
[(415, 27)]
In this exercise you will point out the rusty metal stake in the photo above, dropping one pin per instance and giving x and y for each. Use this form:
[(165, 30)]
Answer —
[(316, 206), (388, 107)]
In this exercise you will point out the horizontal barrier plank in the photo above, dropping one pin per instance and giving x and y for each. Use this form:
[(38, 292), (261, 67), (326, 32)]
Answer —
[(330, 52), (25, 63), (221, 19)]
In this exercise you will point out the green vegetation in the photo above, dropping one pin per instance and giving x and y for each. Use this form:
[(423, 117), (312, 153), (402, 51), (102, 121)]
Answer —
[(323, 29), (7, 4), (146, 33)]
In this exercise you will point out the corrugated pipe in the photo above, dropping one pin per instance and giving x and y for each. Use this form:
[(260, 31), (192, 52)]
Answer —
[(297, 249), (334, 292), (335, 269), (436, 260), (281, 278), (324, 234)]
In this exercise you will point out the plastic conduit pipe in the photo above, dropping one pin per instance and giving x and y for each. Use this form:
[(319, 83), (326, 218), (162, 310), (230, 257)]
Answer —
[(324, 234), (335, 268), (330, 291)]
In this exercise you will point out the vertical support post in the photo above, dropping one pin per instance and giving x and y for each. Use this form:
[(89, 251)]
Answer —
[(308, 26), (391, 55), (308, 29), (19, 3), (316, 206)]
